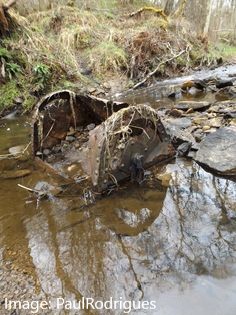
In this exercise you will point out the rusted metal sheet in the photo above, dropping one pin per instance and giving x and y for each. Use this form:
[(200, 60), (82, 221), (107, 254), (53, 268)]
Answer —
[(58, 111), (126, 140), (124, 145)]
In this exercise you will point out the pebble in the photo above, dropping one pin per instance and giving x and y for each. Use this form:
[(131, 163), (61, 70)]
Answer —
[(107, 86), (56, 149), (71, 167), (211, 130), (16, 150), (17, 286), (46, 152), (176, 112), (216, 122), (70, 138), (91, 127), (200, 120), (206, 128)]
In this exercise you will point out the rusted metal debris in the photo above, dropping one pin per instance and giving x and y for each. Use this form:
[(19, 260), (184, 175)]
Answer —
[(58, 111), (126, 140)]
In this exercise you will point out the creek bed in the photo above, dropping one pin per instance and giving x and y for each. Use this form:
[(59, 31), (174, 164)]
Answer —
[(173, 243)]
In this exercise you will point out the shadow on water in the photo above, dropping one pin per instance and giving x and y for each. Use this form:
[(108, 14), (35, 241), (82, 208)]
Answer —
[(176, 246)]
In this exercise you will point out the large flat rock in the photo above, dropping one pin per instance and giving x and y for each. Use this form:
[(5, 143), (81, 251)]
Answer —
[(218, 151), (195, 105)]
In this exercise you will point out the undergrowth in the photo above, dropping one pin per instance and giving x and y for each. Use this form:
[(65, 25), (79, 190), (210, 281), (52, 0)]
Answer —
[(54, 48)]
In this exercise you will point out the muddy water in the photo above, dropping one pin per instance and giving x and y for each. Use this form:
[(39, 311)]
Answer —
[(174, 245)]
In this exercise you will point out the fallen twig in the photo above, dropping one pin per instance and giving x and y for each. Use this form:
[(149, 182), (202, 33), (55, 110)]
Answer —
[(152, 9), (158, 66), (28, 189)]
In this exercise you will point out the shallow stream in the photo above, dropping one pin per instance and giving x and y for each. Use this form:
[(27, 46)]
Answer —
[(175, 245)]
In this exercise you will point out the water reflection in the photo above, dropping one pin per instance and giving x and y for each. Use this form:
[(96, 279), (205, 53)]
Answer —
[(176, 246)]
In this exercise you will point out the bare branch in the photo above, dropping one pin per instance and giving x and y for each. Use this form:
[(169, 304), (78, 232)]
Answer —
[(158, 67)]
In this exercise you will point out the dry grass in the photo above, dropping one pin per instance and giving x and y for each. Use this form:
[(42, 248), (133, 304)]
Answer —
[(66, 39), (107, 56), (62, 37)]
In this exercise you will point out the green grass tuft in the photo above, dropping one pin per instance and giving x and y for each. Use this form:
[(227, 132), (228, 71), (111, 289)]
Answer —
[(8, 93)]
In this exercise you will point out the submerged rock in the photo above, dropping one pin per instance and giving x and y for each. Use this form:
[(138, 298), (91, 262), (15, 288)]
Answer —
[(15, 174), (16, 150), (70, 138), (218, 150), (223, 83), (185, 105)]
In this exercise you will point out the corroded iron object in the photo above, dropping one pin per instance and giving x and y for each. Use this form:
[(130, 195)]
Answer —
[(128, 142), (58, 111), (127, 139)]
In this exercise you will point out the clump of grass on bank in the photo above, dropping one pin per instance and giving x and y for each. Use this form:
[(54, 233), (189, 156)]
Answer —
[(8, 94), (108, 56), (225, 50)]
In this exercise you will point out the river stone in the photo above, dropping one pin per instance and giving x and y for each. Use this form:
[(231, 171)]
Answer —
[(70, 138), (46, 152), (181, 123), (216, 122), (175, 112), (91, 127), (218, 150), (223, 83), (185, 105), (16, 150)]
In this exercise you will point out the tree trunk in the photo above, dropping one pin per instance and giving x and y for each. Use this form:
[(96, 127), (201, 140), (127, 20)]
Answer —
[(169, 7), (208, 19), (5, 18)]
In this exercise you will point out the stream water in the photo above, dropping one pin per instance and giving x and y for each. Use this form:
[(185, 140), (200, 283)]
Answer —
[(175, 246)]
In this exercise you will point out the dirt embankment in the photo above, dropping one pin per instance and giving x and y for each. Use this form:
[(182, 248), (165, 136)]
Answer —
[(95, 51)]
